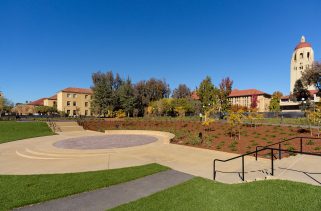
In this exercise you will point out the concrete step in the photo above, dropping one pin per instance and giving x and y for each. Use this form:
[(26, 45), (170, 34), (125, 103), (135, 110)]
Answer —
[(68, 126), (66, 123)]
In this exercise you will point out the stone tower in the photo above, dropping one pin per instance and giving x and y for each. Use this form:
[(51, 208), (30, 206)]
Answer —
[(302, 59)]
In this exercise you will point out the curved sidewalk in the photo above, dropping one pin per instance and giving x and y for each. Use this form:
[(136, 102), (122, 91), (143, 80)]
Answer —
[(110, 197)]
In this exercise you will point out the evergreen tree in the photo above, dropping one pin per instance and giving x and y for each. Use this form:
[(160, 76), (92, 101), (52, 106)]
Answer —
[(206, 92), (127, 97), (103, 99), (224, 92), (300, 92)]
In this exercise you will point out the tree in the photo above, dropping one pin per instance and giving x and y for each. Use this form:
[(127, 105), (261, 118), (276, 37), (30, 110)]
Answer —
[(277, 94), (45, 109), (253, 101), (149, 91), (103, 93), (275, 101), (127, 97), (224, 92), (300, 92), (206, 92), (2, 104), (275, 105), (312, 76), (314, 117), (235, 121), (182, 91), (5, 105)]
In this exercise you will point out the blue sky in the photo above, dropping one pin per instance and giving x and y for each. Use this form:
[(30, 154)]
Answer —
[(46, 46)]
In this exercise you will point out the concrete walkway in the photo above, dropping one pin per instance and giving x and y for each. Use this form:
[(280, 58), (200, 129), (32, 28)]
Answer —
[(40, 156), (113, 196)]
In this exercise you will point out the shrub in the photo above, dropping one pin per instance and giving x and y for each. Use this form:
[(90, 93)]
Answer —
[(317, 148), (194, 140), (120, 114), (310, 142)]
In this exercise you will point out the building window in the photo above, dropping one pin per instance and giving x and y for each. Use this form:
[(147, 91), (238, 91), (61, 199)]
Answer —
[(68, 95), (74, 95), (68, 103), (74, 112), (54, 102), (86, 112), (301, 55), (74, 103), (68, 112), (86, 104), (308, 55), (86, 96)]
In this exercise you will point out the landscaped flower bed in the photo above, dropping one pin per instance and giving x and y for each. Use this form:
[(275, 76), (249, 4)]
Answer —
[(217, 136)]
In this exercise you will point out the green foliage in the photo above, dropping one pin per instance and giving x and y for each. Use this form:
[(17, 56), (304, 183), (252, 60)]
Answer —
[(317, 148), (45, 109), (206, 92), (312, 76), (235, 121), (300, 91), (194, 139), (173, 107), (127, 97), (104, 87), (5, 105), (310, 142), (275, 105), (225, 88)]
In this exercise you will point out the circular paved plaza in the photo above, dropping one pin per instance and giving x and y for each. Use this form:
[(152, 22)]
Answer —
[(105, 142)]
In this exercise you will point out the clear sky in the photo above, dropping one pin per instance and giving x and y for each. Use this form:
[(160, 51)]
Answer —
[(47, 45)]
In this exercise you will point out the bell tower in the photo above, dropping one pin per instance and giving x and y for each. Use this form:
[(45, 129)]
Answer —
[(302, 59)]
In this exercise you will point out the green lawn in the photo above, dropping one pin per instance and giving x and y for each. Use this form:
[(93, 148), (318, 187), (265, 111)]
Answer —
[(11, 131), (202, 194), (20, 190)]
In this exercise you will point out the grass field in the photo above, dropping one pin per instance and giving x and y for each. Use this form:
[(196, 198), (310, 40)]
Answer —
[(20, 190), (11, 130), (202, 194)]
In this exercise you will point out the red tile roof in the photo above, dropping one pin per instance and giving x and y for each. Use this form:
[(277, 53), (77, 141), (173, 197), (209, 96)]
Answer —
[(54, 97), (302, 45), (78, 90), (312, 92), (285, 97), (246, 92), (194, 96), (38, 102)]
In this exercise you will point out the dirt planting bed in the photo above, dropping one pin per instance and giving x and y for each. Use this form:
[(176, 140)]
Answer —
[(217, 136)]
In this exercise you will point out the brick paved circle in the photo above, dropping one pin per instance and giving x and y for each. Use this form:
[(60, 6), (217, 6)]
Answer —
[(105, 142)]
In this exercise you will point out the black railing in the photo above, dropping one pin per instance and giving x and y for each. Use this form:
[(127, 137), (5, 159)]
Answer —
[(272, 156)]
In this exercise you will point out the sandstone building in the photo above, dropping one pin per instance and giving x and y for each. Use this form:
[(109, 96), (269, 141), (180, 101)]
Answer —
[(244, 98), (302, 59), (74, 101)]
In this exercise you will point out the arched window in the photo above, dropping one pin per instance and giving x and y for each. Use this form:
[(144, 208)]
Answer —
[(308, 55)]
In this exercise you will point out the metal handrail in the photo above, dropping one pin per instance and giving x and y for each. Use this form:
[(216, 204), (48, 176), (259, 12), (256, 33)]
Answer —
[(268, 147), (286, 140)]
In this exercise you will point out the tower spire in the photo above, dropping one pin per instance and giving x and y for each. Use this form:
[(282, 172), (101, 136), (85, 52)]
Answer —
[(302, 39)]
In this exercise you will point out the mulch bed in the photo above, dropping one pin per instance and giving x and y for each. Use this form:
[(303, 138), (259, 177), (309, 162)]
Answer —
[(217, 136)]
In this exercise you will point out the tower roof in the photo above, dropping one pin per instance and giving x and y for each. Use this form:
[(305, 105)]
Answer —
[(303, 44)]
